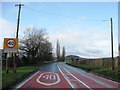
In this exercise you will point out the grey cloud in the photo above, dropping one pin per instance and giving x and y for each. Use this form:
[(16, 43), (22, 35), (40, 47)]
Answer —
[(87, 53), (95, 52)]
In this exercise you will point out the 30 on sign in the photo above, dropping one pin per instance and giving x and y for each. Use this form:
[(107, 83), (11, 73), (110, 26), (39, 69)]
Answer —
[(10, 43)]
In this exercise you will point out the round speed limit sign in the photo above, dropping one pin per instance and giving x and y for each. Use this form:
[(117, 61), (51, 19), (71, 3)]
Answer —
[(11, 43)]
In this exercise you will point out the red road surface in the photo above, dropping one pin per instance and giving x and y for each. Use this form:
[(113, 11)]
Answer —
[(34, 84), (59, 75)]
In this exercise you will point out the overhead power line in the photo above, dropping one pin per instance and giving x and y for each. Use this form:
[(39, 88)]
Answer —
[(60, 15), (50, 13)]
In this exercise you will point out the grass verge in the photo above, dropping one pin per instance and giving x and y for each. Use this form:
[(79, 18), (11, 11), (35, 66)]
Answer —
[(104, 72), (9, 80)]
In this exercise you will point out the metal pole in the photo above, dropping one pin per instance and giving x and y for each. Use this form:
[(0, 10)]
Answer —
[(112, 43)]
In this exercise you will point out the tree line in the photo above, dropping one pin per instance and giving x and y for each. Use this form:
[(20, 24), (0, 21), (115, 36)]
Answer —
[(34, 48), (59, 56)]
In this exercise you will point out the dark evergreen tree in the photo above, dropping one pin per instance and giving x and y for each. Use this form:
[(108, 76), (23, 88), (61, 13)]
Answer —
[(63, 54), (58, 50)]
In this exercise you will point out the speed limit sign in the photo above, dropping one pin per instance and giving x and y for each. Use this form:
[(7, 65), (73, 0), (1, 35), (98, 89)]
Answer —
[(10, 44)]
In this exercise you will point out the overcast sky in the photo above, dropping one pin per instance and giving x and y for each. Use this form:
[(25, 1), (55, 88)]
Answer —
[(78, 26)]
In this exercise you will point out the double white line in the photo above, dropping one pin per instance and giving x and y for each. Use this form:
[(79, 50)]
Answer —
[(73, 77)]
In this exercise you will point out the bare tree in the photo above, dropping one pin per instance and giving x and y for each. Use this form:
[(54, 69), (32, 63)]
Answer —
[(35, 45)]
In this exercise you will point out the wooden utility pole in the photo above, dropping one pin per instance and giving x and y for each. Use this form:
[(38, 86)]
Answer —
[(112, 44), (7, 70), (119, 49), (18, 22)]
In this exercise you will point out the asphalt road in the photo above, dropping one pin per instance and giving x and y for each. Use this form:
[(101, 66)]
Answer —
[(61, 76)]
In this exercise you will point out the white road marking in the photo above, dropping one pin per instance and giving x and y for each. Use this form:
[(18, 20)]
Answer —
[(27, 80), (66, 78), (48, 77), (78, 80), (99, 81)]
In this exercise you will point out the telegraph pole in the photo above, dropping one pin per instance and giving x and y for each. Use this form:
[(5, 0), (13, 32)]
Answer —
[(18, 22), (112, 43)]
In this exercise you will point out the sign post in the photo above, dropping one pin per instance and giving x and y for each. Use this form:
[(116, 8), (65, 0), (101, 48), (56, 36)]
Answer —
[(11, 46)]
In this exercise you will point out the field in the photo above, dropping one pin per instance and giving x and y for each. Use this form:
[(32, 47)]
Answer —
[(12, 79)]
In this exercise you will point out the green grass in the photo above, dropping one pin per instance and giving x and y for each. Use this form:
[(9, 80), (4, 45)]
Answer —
[(114, 75), (105, 72), (85, 67), (11, 79)]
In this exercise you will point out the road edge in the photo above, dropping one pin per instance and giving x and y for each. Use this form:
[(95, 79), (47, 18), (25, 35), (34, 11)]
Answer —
[(26, 80)]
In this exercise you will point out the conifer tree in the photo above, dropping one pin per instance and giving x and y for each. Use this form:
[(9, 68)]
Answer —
[(63, 54), (58, 50)]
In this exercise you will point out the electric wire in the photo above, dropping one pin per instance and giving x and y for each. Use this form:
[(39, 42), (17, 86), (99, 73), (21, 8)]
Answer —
[(60, 15)]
